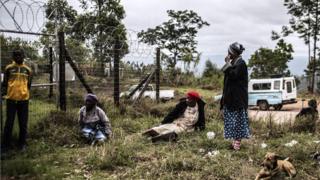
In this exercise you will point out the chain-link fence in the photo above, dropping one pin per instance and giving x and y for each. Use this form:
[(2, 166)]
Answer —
[(43, 92), (112, 65)]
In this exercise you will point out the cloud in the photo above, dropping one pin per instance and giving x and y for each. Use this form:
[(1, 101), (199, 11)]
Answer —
[(248, 22)]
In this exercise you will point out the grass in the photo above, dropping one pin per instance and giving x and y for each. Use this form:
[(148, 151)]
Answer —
[(203, 92), (56, 152), (38, 110)]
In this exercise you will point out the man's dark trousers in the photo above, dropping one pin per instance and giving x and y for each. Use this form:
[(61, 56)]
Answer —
[(22, 109)]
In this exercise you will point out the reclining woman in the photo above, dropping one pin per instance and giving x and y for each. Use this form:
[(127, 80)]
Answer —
[(94, 124), (187, 116)]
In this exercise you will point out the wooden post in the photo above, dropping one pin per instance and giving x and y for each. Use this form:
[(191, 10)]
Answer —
[(158, 75), (62, 71), (116, 79), (50, 71), (138, 87), (77, 72), (145, 86)]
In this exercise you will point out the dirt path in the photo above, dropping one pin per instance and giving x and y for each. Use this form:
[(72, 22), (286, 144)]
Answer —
[(286, 114)]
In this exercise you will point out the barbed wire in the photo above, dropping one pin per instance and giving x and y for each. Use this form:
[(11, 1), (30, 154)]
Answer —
[(25, 15), (29, 16)]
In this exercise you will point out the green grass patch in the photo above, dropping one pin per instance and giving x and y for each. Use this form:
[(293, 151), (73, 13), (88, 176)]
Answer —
[(56, 151)]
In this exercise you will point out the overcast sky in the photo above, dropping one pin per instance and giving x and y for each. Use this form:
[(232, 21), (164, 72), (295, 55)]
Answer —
[(249, 22)]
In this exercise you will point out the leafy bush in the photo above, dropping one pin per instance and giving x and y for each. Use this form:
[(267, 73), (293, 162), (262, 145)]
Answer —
[(214, 82)]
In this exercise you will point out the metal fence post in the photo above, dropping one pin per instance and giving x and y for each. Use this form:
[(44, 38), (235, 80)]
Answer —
[(51, 72), (62, 78), (158, 75), (116, 79), (1, 115)]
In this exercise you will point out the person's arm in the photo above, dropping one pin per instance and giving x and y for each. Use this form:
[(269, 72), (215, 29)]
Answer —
[(236, 71), (105, 123), (174, 114), (201, 124), (80, 120), (30, 79), (221, 103), (5, 82), (304, 112)]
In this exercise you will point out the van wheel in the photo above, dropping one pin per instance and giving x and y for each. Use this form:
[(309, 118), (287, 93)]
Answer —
[(278, 107), (263, 105)]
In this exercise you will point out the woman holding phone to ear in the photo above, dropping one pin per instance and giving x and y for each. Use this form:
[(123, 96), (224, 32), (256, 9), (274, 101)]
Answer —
[(234, 102)]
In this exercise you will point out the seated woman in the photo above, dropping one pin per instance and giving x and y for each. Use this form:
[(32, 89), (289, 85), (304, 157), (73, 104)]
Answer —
[(188, 115), (94, 124), (311, 110), (307, 118)]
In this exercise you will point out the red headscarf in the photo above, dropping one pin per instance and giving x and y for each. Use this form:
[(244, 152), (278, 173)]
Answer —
[(194, 95)]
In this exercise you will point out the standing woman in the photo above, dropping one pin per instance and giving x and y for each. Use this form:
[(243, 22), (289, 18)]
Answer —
[(234, 102)]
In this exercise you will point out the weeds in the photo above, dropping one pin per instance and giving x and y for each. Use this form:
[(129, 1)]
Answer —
[(130, 156)]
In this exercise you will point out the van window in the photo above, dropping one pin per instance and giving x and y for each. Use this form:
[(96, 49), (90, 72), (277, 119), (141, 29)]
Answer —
[(294, 84), (276, 85), (289, 87), (261, 86)]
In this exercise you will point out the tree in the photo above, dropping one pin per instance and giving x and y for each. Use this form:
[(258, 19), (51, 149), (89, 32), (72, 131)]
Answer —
[(8, 44), (265, 62), (211, 69), (61, 15), (304, 21), (101, 26), (309, 70), (177, 35)]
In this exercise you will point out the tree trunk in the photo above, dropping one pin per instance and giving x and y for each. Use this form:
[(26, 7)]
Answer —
[(315, 49), (173, 66)]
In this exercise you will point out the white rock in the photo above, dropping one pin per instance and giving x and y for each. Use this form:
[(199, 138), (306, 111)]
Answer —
[(210, 135)]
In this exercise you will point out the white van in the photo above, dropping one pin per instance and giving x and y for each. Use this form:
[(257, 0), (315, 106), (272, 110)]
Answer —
[(273, 92)]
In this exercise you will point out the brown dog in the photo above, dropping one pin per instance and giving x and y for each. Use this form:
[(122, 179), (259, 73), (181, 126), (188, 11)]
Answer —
[(272, 166)]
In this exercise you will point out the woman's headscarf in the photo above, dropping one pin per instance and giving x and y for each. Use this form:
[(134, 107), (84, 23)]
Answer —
[(236, 49), (194, 95), (91, 97)]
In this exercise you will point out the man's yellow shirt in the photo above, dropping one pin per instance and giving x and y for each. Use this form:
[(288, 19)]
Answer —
[(18, 78)]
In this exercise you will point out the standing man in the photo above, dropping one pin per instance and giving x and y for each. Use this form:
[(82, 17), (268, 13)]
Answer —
[(16, 88), (234, 102)]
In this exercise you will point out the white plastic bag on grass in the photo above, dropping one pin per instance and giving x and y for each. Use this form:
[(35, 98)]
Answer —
[(210, 135), (292, 143)]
